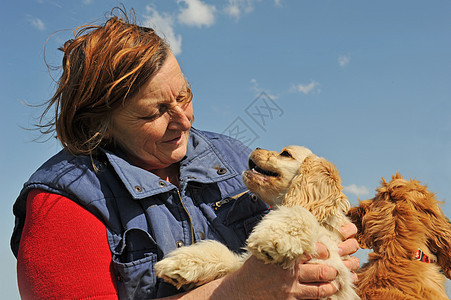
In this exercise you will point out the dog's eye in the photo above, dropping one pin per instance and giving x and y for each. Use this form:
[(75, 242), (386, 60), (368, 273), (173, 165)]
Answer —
[(285, 153)]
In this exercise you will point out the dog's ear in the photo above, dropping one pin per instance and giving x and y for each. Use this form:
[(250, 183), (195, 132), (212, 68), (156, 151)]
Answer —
[(318, 188), (440, 242), (356, 214), (411, 211), (438, 227)]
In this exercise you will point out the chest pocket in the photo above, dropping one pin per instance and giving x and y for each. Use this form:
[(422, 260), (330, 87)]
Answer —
[(236, 216), (245, 212)]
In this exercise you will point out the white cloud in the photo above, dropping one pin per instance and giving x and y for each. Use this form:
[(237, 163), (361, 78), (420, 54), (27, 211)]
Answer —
[(312, 87), (36, 23), (256, 88), (343, 60), (356, 190), (233, 11), (235, 8), (196, 13), (164, 24)]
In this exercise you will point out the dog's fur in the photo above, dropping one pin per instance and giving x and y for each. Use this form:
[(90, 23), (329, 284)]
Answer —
[(402, 218), (310, 207)]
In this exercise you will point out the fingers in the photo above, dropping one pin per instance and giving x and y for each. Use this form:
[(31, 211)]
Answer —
[(345, 248), (316, 281), (348, 230), (314, 273), (317, 290), (348, 247), (321, 251), (352, 263)]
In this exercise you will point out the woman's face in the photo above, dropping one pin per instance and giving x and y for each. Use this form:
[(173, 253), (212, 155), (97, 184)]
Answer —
[(153, 127)]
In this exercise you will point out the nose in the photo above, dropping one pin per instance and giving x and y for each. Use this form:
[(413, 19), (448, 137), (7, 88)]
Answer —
[(179, 119)]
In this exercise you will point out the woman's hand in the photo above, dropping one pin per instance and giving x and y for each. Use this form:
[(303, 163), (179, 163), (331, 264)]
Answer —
[(349, 246), (256, 280)]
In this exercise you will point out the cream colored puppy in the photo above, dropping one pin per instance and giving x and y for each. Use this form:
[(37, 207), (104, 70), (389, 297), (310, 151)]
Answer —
[(309, 206)]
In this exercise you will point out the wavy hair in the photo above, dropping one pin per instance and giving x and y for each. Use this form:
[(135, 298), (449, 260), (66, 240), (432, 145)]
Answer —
[(102, 67)]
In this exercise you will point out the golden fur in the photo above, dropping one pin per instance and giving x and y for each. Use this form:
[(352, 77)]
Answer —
[(402, 218), (310, 207)]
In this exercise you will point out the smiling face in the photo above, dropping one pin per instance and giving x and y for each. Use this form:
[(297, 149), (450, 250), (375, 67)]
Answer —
[(153, 127), (270, 173)]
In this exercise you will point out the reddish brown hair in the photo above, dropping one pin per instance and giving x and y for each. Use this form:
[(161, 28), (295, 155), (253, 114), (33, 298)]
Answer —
[(102, 67)]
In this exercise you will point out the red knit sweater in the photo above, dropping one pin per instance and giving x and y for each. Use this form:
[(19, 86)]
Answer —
[(63, 252)]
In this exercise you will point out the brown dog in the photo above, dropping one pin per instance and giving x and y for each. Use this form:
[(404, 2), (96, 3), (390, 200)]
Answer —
[(411, 240)]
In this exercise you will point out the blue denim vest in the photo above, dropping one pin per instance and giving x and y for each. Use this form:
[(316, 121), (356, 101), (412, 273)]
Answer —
[(147, 217)]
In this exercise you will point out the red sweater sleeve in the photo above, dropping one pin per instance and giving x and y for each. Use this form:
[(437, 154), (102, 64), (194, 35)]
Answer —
[(63, 252)]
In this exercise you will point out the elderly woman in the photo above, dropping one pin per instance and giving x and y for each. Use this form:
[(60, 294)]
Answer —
[(135, 180)]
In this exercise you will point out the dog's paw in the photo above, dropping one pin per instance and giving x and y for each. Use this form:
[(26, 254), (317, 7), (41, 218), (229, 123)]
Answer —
[(195, 265), (284, 235)]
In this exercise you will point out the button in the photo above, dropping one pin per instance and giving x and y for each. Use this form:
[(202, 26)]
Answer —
[(179, 244), (162, 184), (254, 198), (221, 171), (138, 188), (202, 235)]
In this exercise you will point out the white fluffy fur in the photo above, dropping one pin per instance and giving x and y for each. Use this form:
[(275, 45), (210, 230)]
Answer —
[(309, 207), (198, 264)]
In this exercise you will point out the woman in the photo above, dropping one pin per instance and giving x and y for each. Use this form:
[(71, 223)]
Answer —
[(135, 180)]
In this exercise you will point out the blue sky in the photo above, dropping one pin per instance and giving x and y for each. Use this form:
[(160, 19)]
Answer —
[(365, 84)]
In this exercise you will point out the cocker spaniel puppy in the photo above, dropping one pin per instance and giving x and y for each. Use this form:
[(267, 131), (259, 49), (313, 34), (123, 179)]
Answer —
[(309, 206), (410, 237)]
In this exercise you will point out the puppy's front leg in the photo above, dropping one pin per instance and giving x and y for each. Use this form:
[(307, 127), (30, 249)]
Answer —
[(195, 265), (284, 235)]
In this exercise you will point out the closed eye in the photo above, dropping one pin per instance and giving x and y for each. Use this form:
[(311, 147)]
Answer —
[(286, 154), (161, 110), (149, 118)]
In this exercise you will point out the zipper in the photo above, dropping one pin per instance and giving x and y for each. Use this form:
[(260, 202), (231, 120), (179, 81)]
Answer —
[(220, 203), (193, 240)]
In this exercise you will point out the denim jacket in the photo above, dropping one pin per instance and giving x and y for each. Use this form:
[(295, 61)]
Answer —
[(147, 217)]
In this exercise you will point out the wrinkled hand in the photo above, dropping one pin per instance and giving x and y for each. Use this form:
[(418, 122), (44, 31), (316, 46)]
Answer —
[(256, 280), (322, 273), (348, 247)]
